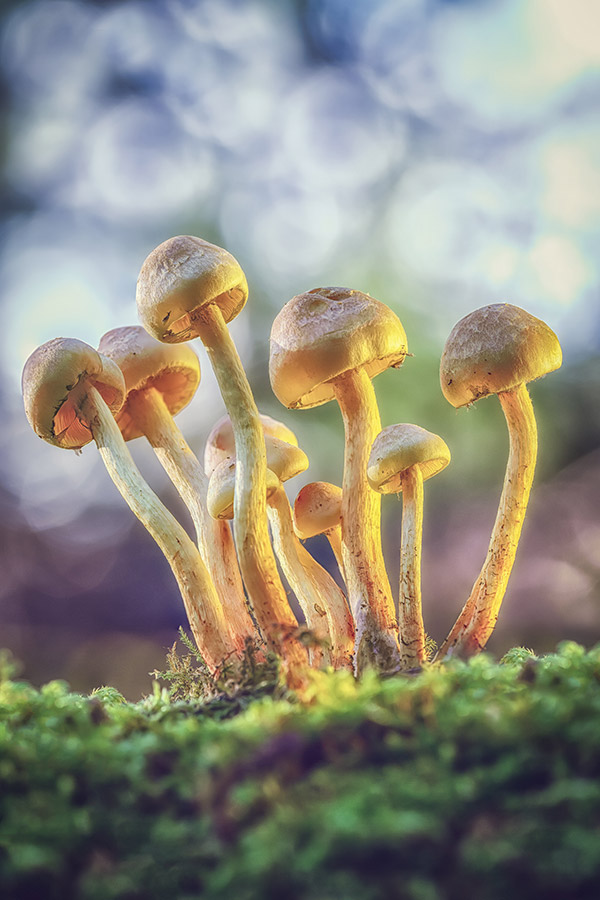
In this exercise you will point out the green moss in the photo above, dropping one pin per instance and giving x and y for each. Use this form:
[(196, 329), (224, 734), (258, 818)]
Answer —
[(472, 780)]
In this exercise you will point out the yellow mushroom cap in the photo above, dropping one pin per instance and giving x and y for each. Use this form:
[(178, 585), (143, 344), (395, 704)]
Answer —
[(494, 349), (220, 443), (53, 379), (173, 369), (178, 278), (285, 460), (221, 489), (326, 332), (400, 447), (317, 509)]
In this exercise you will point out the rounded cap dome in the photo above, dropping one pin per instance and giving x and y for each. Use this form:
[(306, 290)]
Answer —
[(221, 489), (220, 443), (285, 460), (494, 349), (181, 276), (326, 332), (173, 369), (400, 447), (53, 382), (317, 509)]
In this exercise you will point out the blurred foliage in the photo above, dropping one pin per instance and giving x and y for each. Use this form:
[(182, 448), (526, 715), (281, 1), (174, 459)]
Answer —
[(477, 779)]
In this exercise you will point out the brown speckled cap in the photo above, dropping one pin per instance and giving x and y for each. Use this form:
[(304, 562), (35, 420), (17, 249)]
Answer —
[(173, 369), (494, 349), (54, 377), (398, 448), (317, 509), (326, 332), (181, 276)]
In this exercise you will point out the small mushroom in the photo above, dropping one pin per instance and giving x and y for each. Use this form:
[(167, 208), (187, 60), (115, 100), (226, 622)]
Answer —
[(498, 349), (402, 458), (220, 443), (328, 344), (160, 380), (71, 393), (190, 288), (318, 510)]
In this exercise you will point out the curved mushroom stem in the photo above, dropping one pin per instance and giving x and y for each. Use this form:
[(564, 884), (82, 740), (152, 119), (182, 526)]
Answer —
[(321, 600), (197, 590), (479, 614), (214, 536), (334, 536), (369, 592), (257, 562), (410, 616)]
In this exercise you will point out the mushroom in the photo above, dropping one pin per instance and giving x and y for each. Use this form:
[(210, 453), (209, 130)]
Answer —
[(160, 380), (321, 600), (328, 344), (498, 349), (402, 458), (189, 288), (220, 443), (71, 392), (318, 510)]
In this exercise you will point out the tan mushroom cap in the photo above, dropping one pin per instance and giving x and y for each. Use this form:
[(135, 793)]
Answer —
[(325, 332), (495, 349), (53, 380), (220, 443), (221, 489), (400, 447), (173, 369), (285, 460), (317, 509), (178, 278)]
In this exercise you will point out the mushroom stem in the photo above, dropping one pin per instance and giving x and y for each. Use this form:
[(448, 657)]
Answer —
[(215, 543), (322, 602), (257, 562), (197, 590), (334, 536), (479, 614), (369, 592), (410, 616)]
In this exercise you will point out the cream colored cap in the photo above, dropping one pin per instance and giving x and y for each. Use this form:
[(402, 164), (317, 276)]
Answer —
[(328, 331), (317, 509), (494, 349), (221, 489), (220, 443), (181, 276), (400, 447), (173, 369), (285, 460), (53, 380)]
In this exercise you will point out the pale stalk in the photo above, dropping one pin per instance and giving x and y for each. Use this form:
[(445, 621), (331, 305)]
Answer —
[(322, 602), (369, 592), (201, 603), (257, 563), (410, 616), (479, 614), (334, 536), (215, 543)]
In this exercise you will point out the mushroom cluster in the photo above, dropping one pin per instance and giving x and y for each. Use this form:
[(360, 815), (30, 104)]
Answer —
[(326, 344)]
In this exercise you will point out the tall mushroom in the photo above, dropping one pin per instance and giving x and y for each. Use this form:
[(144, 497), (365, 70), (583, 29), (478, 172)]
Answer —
[(498, 349), (328, 344), (403, 457), (71, 392), (188, 288), (160, 380)]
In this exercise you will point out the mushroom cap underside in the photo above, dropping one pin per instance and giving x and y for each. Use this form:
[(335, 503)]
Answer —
[(54, 380), (172, 369)]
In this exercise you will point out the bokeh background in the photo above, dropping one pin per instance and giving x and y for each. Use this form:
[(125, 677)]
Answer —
[(439, 155)]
